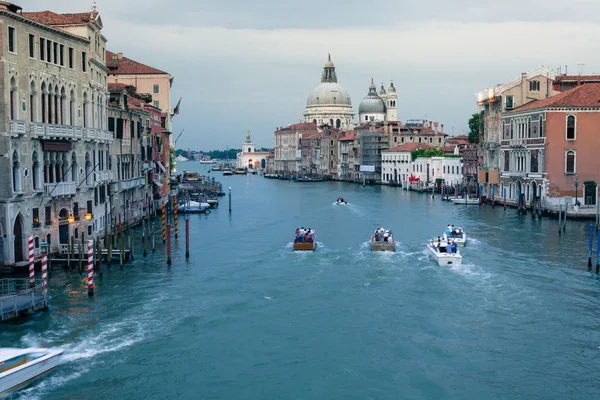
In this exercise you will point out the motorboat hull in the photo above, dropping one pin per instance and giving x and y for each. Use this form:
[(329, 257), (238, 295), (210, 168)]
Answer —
[(471, 202), (444, 259), (20, 376), (459, 240), (382, 246), (305, 246), (212, 202)]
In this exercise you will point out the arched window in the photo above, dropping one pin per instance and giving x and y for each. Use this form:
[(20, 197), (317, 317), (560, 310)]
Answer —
[(14, 98), (570, 167), (56, 109), (541, 127), (338, 123), (74, 167), (85, 110), (72, 108), (314, 121), (88, 170), (571, 127), (36, 173), (512, 128), (16, 172), (43, 103), (529, 127), (100, 112), (331, 122), (32, 101), (62, 113)]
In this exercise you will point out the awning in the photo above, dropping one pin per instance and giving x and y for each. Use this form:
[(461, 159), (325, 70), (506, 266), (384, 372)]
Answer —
[(161, 166), (157, 183)]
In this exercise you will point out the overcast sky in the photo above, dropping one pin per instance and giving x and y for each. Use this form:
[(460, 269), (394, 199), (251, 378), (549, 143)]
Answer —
[(243, 65)]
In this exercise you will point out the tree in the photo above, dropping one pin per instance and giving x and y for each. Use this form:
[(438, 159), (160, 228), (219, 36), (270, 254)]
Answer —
[(475, 127)]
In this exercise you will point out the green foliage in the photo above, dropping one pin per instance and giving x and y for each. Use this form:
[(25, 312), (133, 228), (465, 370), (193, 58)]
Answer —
[(171, 159), (475, 127), (427, 153)]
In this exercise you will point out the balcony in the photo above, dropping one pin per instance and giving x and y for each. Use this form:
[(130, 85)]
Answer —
[(525, 142), (104, 176), (508, 174), (60, 189), (131, 183), (17, 127)]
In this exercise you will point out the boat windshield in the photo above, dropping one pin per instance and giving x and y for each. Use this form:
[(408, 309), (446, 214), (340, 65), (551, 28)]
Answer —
[(18, 361)]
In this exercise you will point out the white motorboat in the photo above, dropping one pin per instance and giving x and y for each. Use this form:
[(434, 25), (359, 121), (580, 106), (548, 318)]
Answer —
[(382, 240), (468, 201), (457, 235), (19, 366), (193, 207), (212, 202), (227, 171), (441, 252), (341, 202)]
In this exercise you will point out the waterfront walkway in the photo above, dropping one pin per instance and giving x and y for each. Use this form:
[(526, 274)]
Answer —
[(17, 299)]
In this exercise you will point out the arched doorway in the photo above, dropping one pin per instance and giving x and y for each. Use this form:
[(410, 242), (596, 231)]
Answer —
[(63, 226), (533, 190), (18, 232), (250, 164), (263, 163), (395, 175)]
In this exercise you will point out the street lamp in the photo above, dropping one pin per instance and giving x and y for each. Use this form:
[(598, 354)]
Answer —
[(88, 217), (576, 182)]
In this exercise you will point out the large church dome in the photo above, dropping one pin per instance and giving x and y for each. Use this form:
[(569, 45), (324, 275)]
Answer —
[(329, 91), (372, 104)]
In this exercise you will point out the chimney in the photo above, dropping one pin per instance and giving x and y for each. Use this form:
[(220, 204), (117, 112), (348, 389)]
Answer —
[(442, 128), (435, 125), (523, 76), (119, 56)]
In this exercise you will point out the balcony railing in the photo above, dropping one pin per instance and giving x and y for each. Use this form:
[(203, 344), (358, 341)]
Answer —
[(53, 131), (523, 142), (60, 189), (17, 127), (104, 176), (131, 183)]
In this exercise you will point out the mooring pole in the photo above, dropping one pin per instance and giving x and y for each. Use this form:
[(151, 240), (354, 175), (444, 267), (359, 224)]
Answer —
[(31, 261), (45, 273), (164, 223), (504, 199), (590, 245), (144, 237), (230, 199), (187, 237), (131, 246), (598, 250), (559, 218), (153, 235), (565, 221), (81, 256), (90, 268), (168, 244), (109, 243), (122, 247), (69, 253), (175, 216)]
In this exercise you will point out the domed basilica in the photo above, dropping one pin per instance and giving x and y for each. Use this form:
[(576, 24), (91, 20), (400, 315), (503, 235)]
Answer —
[(329, 103)]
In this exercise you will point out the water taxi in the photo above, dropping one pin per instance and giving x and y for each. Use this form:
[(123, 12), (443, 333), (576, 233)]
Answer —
[(240, 171), (216, 167), (467, 201), (193, 207), (308, 242), (227, 171), (382, 240), (19, 366), (457, 235), (441, 251), (341, 202)]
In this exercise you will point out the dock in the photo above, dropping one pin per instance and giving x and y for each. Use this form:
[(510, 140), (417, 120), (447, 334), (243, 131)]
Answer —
[(18, 299)]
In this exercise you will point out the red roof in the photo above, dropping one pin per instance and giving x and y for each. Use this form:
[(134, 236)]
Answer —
[(52, 18), (576, 78), (584, 96), (302, 126), (116, 87), (409, 147), (348, 136), (127, 66)]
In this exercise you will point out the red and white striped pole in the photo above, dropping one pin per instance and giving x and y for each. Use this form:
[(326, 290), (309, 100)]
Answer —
[(31, 262), (90, 267), (45, 274)]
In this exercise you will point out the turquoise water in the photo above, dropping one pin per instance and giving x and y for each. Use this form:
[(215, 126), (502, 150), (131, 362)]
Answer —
[(248, 318)]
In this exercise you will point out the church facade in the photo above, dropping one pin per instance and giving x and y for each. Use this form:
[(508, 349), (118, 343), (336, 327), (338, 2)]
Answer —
[(378, 106), (249, 157)]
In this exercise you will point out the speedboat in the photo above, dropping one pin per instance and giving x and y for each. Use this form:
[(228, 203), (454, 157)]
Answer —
[(240, 171), (19, 366), (341, 202), (216, 167), (227, 171), (306, 244), (193, 207), (457, 235), (212, 202), (441, 252), (467, 201), (382, 240)]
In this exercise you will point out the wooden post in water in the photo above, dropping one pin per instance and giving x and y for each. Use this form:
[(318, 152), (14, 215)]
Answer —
[(69, 253), (230, 199), (122, 247), (81, 256), (109, 249), (598, 250), (565, 221), (153, 241), (90, 267), (590, 245), (144, 237), (164, 222), (131, 252), (187, 237), (31, 261), (176, 227), (168, 244)]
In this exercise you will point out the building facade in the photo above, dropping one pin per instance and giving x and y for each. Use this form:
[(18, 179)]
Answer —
[(250, 158), (55, 143)]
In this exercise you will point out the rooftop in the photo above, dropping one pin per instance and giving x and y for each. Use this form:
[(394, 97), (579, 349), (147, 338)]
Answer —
[(408, 147), (301, 126), (577, 78), (584, 96), (119, 65), (53, 19)]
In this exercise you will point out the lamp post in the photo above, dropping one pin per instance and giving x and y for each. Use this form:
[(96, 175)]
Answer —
[(576, 182)]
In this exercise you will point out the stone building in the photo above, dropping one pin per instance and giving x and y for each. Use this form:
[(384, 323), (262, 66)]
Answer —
[(549, 148), (250, 158), (378, 107), (329, 102), (346, 151), (287, 153), (55, 146)]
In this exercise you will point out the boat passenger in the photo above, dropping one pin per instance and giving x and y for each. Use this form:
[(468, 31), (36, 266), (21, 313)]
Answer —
[(297, 231), (377, 236), (454, 248)]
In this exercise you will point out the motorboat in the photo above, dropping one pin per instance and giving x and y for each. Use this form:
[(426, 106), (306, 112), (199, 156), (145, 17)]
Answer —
[(207, 162), (467, 201), (19, 366), (382, 240), (308, 179), (227, 171), (441, 251), (216, 167), (306, 243), (193, 207), (341, 202), (212, 202), (240, 171), (457, 235)]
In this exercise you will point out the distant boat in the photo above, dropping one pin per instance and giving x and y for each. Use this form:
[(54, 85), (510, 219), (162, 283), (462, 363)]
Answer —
[(457, 235), (440, 251), (216, 167), (309, 245), (181, 158), (227, 171), (467, 201), (19, 366), (308, 179), (207, 162), (193, 207), (240, 171)]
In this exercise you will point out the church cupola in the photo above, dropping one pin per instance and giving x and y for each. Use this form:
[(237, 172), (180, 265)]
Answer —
[(329, 71)]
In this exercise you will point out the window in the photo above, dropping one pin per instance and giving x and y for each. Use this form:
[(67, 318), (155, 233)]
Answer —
[(48, 51), (156, 104), (12, 40), (111, 125), (31, 45), (83, 61), (506, 161), (35, 212), (155, 89), (62, 55), (571, 127), (89, 206), (508, 102), (71, 57), (48, 216), (570, 162), (534, 85), (55, 48), (541, 127), (42, 49)]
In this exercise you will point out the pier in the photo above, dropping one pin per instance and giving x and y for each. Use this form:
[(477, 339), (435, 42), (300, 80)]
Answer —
[(18, 299)]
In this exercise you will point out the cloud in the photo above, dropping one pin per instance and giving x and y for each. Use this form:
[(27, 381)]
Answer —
[(251, 65)]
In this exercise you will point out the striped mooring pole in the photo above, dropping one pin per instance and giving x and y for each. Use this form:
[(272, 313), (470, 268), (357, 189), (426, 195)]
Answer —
[(90, 268), (164, 222), (175, 215), (31, 262), (45, 274)]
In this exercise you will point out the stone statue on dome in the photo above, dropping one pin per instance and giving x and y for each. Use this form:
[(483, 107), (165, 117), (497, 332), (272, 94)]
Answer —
[(248, 137)]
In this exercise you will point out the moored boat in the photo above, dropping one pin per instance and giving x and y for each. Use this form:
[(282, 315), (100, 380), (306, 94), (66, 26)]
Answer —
[(193, 207), (213, 202), (240, 171), (216, 167), (305, 240), (468, 201), (456, 234), (19, 366), (442, 253), (382, 240), (227, 171), (308, 179)]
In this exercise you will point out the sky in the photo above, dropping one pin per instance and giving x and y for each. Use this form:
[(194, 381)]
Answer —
[(250, 65)]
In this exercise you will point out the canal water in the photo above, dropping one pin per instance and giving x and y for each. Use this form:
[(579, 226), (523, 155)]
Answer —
[(246, 317)]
